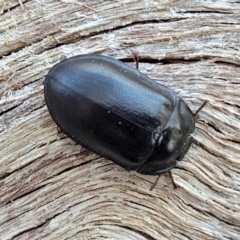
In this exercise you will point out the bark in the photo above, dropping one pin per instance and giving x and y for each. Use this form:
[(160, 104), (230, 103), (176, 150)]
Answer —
[(52, 188)]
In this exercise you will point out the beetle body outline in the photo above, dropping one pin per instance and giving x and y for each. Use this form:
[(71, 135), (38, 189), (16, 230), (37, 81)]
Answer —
[(119, 113)]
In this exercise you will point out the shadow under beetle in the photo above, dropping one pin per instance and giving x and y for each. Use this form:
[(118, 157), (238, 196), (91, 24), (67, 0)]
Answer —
[(119, 113)]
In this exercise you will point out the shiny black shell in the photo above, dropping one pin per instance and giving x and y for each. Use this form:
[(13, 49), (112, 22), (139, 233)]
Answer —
[(119, 113)]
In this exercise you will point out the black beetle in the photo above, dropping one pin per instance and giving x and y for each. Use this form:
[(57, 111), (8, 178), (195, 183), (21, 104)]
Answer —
[(118, 112)]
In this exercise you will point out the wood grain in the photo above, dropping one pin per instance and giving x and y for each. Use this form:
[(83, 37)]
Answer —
[(51, 188)]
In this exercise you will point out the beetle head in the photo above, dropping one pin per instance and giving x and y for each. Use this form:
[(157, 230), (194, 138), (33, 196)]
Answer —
[(176, 138), (178, 128), (173, 142)]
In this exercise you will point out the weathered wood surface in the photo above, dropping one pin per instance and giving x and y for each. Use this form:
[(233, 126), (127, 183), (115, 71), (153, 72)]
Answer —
[(51, 188)]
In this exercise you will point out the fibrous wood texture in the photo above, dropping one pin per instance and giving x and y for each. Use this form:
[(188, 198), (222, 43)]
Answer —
[(51, 188)]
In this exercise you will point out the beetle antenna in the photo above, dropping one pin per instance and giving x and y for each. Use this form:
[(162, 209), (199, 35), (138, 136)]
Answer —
[(136, 59), (200, 108)]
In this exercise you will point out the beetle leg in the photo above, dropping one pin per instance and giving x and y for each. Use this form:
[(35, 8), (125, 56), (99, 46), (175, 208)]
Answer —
[(175, 186), (59, 130), (155, 183), (136, 59)]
